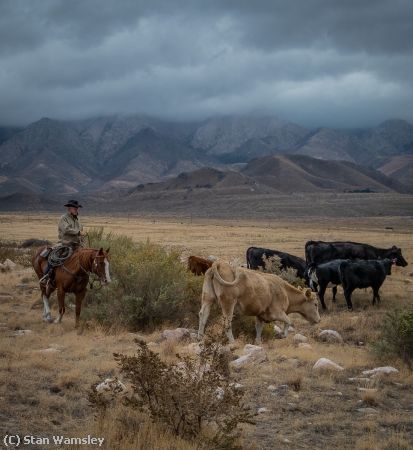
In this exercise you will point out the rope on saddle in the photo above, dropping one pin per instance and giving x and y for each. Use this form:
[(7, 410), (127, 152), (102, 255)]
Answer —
[(59, 255)]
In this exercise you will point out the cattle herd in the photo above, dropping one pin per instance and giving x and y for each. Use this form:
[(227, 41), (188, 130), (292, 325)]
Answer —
[(352, 265)]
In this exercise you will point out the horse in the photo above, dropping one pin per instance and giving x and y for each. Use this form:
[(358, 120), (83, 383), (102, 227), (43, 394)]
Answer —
[(71, 277)]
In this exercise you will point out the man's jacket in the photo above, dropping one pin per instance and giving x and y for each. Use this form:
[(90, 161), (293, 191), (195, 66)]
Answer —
[(69, 229)]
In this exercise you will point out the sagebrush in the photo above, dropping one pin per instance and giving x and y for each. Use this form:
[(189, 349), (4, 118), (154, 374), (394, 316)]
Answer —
[(396, 336), (194, 398), (150, 286)]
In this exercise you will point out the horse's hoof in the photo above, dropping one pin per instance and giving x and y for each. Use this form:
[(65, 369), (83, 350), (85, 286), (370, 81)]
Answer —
[(48, 318), (56, 321)]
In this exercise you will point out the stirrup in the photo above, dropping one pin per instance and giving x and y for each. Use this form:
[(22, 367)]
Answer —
[(44, 279)]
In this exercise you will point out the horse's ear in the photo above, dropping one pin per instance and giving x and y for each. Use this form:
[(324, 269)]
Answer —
[(101, 251), (107, 251)]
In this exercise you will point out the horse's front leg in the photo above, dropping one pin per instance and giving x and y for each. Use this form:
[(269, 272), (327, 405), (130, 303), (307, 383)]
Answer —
[(61, 301), (79, 298), (46, 293)]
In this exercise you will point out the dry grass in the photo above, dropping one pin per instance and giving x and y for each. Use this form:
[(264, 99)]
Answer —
[(46, 393)]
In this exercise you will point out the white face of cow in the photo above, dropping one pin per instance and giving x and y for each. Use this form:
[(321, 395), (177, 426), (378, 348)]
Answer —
[(313, 280)]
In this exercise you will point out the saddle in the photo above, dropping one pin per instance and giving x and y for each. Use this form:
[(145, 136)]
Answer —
[(57, 255)]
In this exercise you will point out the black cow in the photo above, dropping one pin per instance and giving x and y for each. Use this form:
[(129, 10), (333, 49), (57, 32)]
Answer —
[(364, 274), (317, 252), (323, 275), (255, 260)]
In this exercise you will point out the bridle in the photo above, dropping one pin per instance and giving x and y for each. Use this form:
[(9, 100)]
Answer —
[(93, 271)]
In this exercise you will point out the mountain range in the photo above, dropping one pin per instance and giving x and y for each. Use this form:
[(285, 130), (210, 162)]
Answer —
[(106, 155)]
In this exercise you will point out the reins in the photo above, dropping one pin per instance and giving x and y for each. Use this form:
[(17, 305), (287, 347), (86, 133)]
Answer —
[(87, 272)]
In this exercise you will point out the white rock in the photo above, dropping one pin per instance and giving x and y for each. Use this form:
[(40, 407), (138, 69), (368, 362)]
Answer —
[(112, 385), (262, 410), (254, 357), (212, 258), (220, 393), (22, 332), (49, 350), (8, 265), (326, 364), (304, 345), (236, 385), (300, 338), (278, 332), (380, 371), (330, 336), (271, 387), (359, 379), (178, 334), (249, 348)]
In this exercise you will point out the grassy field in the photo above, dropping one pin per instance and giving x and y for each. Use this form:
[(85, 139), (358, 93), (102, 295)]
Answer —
[(44, 392)]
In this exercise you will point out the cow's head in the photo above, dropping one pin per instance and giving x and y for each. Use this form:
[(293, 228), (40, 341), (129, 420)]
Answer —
[(309, 307), (395, 254), (311, 277)]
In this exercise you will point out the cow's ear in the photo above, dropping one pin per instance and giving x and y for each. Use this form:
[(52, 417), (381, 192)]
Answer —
[(308, 293)]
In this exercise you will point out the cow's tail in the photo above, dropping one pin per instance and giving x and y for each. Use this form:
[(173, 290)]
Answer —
[(248, 257), (220, 280), (342, 269)]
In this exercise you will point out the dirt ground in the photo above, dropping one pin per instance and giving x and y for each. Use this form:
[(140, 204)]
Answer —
[(45, 373)]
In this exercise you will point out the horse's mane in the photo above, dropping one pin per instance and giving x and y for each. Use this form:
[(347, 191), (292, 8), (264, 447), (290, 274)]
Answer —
[(81, 257)]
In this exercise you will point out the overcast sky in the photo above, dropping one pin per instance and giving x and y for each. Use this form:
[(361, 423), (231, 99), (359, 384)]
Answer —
[(345, 63)]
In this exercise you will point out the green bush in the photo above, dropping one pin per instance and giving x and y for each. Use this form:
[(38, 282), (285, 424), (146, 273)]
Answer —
[(150, 286), (396, 336), (272, 264)]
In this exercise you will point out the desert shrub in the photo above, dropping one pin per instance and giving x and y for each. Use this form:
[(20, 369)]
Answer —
[(11, 250), (272, 264), (150, 286), (396, 336), (194, 398)]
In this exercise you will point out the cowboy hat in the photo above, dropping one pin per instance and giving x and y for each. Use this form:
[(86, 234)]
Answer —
[(73, 204)]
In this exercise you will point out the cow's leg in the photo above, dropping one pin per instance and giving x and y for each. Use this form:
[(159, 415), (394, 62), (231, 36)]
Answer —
[(228, 312), (334, 293), (321, 292), (61, 301), (282, 317), (347, 295), (79, 298), (259, 324), (203, 317), (376, 295)]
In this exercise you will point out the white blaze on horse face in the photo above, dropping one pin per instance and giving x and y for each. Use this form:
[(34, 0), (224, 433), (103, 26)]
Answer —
[(107, 275)]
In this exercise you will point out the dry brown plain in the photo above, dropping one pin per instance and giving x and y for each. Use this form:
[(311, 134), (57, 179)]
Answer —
[(44, 393)]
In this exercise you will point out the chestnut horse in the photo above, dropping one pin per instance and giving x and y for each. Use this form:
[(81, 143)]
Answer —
[(72, 277)]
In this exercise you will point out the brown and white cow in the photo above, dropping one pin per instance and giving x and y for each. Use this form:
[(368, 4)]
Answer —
[(265, 296), (197, 265)]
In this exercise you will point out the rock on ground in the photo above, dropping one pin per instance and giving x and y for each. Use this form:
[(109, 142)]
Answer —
[(253, 353), (300, 338), (387, 370), (330, 336), (178, 334), (326, 364)]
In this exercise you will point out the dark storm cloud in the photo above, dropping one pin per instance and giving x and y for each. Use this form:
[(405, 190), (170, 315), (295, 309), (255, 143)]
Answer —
[(319, 62)]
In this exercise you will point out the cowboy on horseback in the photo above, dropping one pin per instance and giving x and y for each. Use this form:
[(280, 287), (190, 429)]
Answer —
[(70, 232)]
